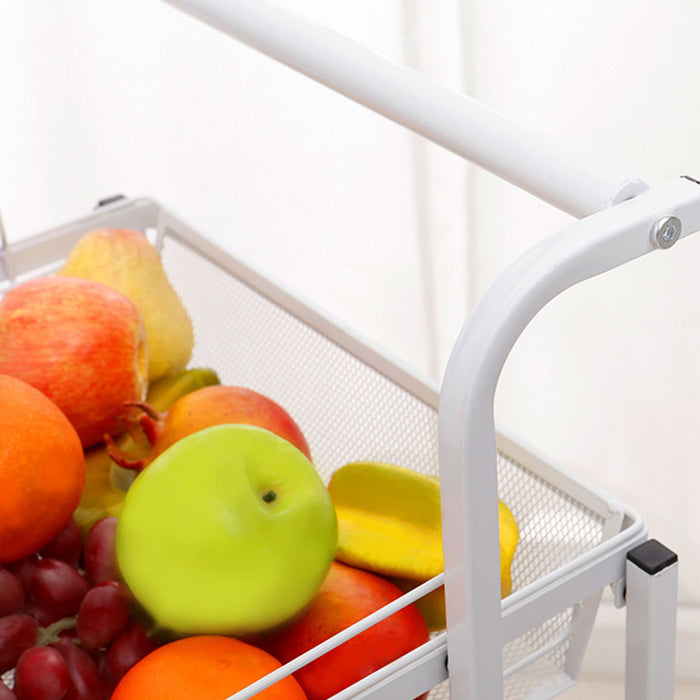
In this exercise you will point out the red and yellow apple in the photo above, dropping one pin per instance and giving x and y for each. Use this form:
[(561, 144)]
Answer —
[(347, 596), (80, 343), (206, 407)]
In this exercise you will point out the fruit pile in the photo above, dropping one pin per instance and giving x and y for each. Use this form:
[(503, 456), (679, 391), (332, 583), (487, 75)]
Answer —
[(164, 535)]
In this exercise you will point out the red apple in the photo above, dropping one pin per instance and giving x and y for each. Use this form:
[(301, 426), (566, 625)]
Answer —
[(347, 596), (203, 408), (80, 343)]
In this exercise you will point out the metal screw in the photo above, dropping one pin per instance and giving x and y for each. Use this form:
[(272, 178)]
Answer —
[(666, 231)]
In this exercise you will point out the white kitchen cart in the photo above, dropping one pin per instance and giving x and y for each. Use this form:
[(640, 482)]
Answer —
[(354, 402)]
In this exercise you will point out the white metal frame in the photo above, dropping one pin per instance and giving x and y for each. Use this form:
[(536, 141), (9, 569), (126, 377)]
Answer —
[(467, 431), (621, 219)]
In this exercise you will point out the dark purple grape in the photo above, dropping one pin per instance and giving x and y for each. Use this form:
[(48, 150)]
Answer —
[(22, 568), (103, 614), (66, 546), (18, 632), (84, 679), (11, 593), (42, 617), (129, 648), (107, 680), (41, 674), (100, 551), (55, 589), (6, 693)]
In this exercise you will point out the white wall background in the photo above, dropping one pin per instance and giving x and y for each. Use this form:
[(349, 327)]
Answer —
[(395, 235)]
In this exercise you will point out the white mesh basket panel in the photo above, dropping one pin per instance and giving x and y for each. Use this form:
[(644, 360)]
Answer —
[(554, 528), (547, 644), (346, 410)]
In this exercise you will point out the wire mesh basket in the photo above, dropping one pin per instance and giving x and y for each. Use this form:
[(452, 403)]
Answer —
[(353, 402)]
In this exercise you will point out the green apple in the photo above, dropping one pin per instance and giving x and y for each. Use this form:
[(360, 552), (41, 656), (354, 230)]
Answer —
[(230, 531)]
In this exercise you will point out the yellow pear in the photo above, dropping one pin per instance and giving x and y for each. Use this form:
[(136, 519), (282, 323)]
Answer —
[(127, 261)]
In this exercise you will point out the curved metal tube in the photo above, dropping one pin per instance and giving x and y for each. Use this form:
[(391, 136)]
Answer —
[(581, 250)]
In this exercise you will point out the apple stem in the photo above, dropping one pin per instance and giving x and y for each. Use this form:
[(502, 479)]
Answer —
[(150, 420), (148, 423), (122, 458)]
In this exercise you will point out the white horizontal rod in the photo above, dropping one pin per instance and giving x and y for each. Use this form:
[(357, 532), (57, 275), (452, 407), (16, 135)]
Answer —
[(339, 638), (525, 157)]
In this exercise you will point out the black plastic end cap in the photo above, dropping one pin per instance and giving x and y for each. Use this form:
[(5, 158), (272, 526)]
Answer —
[(651, 557)]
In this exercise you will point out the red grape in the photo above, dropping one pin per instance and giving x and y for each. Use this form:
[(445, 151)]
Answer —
[(22, 568), (107, 680), (100, 551), (129, 648), (67, 545), (11, 593), (56, 589), (18, 633), (6, 693), (41, 674), (103, 613), (84, 679)]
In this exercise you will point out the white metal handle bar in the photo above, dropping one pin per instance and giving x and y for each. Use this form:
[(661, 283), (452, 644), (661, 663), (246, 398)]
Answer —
[(555, 173), (468, 454)]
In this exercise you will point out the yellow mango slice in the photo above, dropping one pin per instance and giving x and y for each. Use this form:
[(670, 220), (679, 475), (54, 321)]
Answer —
[(508, 533), (388, 519), (388, 545), (389, 522)]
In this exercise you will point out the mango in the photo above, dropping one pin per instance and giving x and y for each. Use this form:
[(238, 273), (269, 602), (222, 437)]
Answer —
[(389, 522)]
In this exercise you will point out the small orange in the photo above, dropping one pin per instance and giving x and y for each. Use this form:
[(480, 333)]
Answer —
[(42, 469), (209, 667)]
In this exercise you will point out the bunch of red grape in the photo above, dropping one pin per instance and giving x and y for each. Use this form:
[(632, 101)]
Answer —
[(68, 628)]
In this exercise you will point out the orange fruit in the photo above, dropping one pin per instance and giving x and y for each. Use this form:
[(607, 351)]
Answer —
[(209, 667), (42, 469)]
